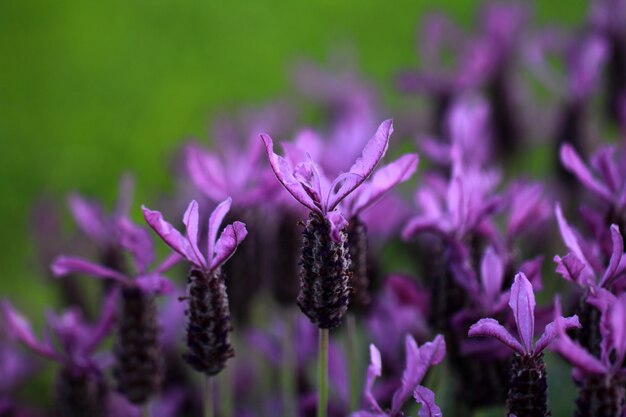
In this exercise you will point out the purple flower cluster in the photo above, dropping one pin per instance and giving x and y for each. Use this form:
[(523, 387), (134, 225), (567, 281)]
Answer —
[(327, 243)]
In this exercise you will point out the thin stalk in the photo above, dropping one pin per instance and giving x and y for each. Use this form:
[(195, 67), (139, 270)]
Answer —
[(353, 357), (208, 397), (225, 404), (322, 405), (145, 410), (288, 369)]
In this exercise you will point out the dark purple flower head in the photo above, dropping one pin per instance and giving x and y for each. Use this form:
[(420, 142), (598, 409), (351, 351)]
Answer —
[(138, 243), (305, 181), (612, 330), (75, 342), (418, 360), (217, 252), (522, 303), (582, 264)]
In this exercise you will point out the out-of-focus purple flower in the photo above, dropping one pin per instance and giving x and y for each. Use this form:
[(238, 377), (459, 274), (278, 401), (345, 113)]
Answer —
[(305, 181), (138, 243), (75, 342), (418, 360), (522, 303), (218, 250), (527, 208)]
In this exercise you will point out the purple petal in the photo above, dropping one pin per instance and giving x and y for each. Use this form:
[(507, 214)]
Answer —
[(426, 398), (383, 180), (226, 245), (617, 325), (374, 370), (104, 324), (422, 224), (569, 237), (550, 332), (19, 328), (491, 328), (190, 220), (616, 256), (215, 221), (571, 268), (492, 274), (90, 219), (575, 354), (532, 270), (137, 241), (65, 265), (285, 174), (155, 284), (171, 260), (522, 302), (573, 163), (206, 172), (337, 224), (172, 237), (363, 167)]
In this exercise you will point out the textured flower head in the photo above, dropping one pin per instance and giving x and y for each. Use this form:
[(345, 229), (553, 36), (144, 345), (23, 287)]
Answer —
[(218, 250), (305, 181), (612, 330), (136, 241), (522, 303), (418, 360), (75, 342)]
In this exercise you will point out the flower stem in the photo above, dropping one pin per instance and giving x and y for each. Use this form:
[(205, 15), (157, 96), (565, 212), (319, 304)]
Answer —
[(322, 405), (225, 394), (208, 397), (288, 370), (145, 410), (353, 357)]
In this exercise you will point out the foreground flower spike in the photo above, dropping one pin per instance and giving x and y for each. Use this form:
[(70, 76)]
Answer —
[(80, 385), (601, 380), (418, 360), (528, 385), (138, 365), (209, 322)]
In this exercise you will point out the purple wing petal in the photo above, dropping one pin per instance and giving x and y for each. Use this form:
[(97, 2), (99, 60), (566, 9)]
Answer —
[(491, 328), (522, 302), (215, 221), (616, 256), (20, 329), (550, 332), (191, 219), (617, 325), (426, 398), (374, 370), (492, 274), (90, 219), (573, 163), (372, 154), (569, 237), (64, 265), (155, 284), (571, 268), (575, 354), (383, 180), (172, 237), (285, 174), (138, 242), (337, 224), (105, 323), (226, 245), (206, 172), (171, 260)]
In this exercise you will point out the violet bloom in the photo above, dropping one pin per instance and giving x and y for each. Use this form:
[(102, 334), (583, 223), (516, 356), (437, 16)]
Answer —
[(325, 259), (80, 387), (600, 379), (138, 365), (528, 385), (418, 360), (208, 313)]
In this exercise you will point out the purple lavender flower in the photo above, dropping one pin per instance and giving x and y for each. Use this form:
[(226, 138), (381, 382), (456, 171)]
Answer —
[(209, 315), (600, 379), (80, 387), (527, 395), (418, 360)]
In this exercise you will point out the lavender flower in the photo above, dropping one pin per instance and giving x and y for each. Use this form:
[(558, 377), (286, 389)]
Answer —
[(527, 395), (325, 259), (418, 360), (138, 366), (80, 387), (209, 315)]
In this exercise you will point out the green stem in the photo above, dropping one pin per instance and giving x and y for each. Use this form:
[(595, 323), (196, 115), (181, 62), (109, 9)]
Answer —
[(288, 370), (225, 404), (353, 357), (322, 405), (208, 397), (145, 410)]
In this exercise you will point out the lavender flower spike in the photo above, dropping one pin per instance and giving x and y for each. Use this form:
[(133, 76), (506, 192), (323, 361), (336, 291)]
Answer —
[(527, 395), (209, 314), (418, 360)]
